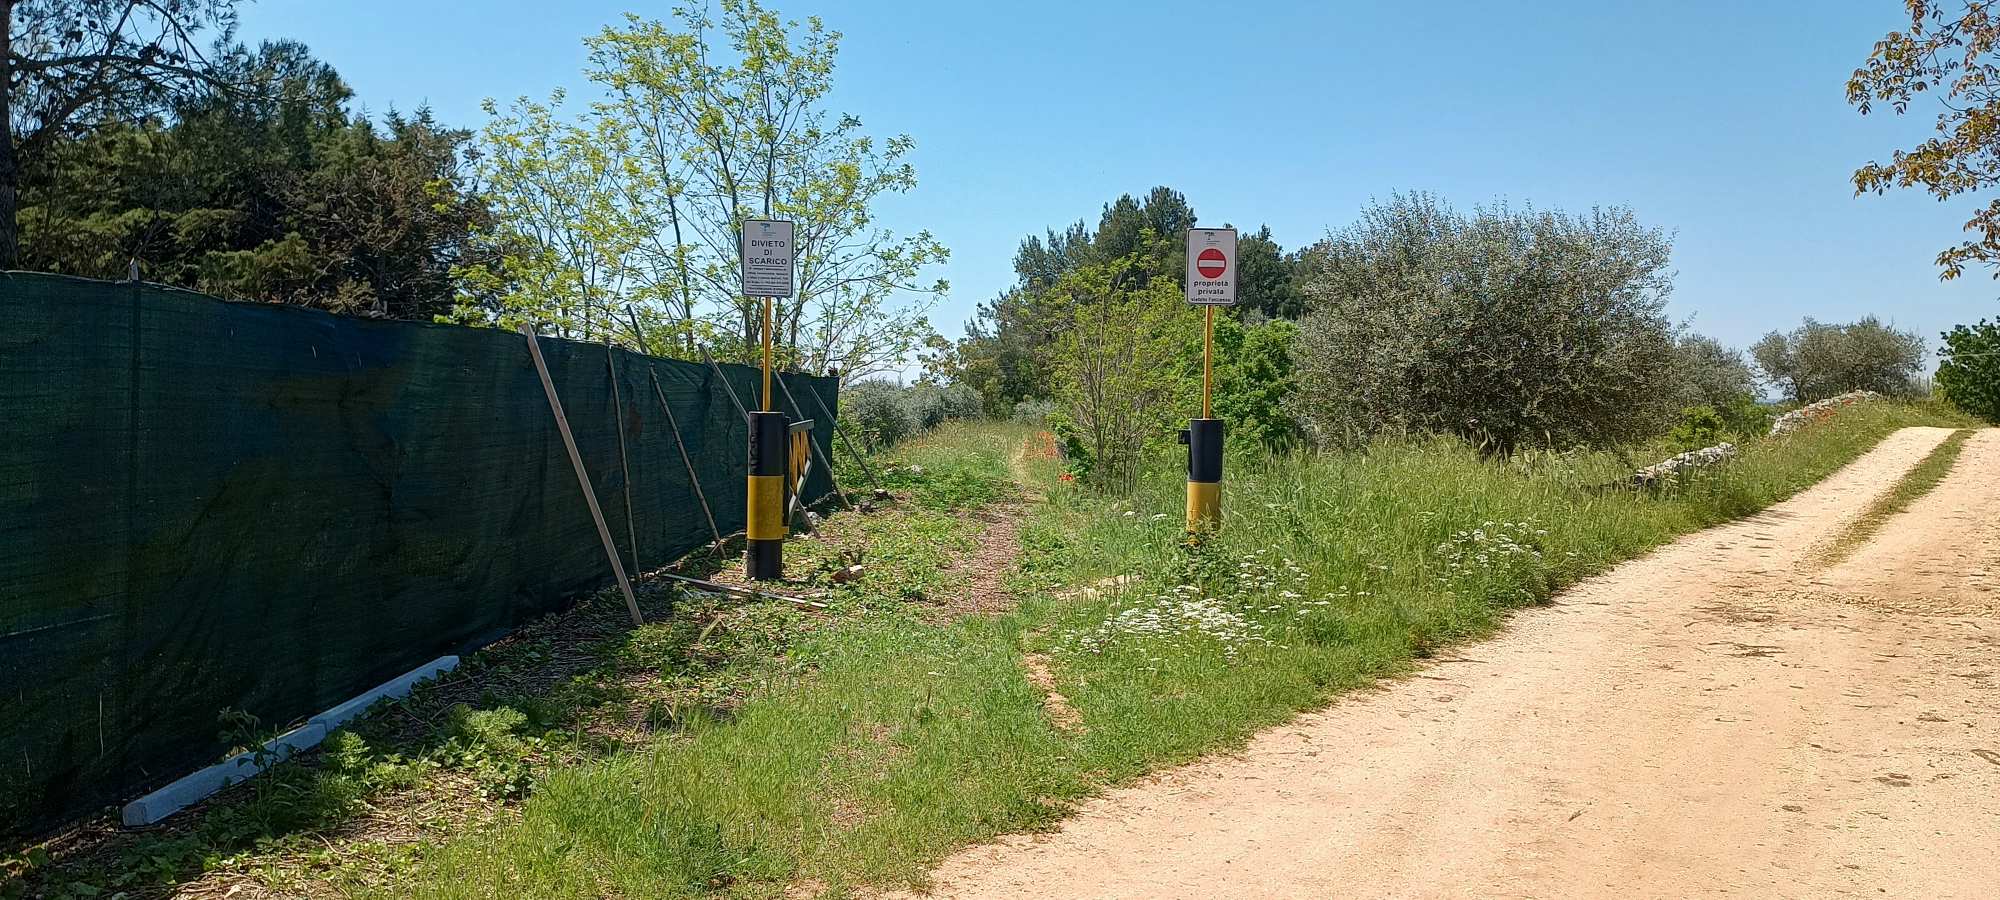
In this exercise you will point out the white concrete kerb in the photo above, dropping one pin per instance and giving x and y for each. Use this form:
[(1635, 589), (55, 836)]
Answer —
[(197, 786)]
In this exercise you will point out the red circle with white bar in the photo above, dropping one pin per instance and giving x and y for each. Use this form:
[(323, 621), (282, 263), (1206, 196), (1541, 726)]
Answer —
[(1211, 263)]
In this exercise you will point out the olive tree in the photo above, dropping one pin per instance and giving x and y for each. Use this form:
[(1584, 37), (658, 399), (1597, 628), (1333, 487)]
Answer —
[(1818, 360), (1506, 327)]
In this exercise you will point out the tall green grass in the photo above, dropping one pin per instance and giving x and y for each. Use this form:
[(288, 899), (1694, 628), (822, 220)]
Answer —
[(894, 739)]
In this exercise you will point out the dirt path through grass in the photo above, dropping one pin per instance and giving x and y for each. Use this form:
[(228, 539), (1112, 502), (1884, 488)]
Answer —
[(1713, 718)]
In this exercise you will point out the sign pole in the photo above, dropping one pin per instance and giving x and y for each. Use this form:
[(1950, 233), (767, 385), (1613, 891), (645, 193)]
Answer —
[(1207, 362), (1211, 282), (767, 354), (765, 249)]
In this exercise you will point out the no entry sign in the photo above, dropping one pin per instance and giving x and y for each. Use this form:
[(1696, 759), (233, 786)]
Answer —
[(767, 258), (1211, 266)]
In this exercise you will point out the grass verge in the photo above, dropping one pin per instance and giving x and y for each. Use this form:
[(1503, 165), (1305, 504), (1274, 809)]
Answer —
[(1913, 485), (859, 748)]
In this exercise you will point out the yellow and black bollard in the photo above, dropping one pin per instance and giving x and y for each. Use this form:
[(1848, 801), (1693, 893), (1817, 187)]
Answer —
[(766, 525), (1204, 489)]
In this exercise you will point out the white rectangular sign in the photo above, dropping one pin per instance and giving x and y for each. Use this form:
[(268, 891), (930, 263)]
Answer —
[(767, 253), (1211, 266)]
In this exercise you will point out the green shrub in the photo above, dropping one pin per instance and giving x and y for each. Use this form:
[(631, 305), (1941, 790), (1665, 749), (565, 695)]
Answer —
[(1712, 374), (1744, 416), (1119, 370), (1078, 460), (962, 401), (1700, 426), (1969, 376), (925, 401), (877, 409), (1253, 383), (889, 412), (1034, 412)]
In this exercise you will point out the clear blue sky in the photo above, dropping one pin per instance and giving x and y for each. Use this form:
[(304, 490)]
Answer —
[(1725, 123)]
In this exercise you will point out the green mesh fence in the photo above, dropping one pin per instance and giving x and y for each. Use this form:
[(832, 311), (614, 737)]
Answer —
[(209, 505)]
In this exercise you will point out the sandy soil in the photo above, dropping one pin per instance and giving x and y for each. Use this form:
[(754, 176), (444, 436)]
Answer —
[(1716, 718)]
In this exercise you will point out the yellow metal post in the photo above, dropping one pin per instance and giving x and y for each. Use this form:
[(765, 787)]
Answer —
[(1207, 362), (767, 354)]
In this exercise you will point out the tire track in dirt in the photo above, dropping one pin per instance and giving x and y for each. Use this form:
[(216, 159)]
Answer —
[(1706, 720)]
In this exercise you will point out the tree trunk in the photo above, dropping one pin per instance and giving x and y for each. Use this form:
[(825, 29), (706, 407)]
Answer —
[(10, 168)]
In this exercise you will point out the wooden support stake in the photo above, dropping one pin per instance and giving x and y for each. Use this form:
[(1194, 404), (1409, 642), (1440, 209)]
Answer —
[(624, 462), (582, 476), (674, 423), (739, 589), (693, 479)]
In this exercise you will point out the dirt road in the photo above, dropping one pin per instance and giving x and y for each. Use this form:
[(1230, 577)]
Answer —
[(1717, 718)]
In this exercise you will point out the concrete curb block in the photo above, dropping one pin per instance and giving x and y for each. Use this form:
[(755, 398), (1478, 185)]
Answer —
[(396, 687), (191, 789), (195, 787)]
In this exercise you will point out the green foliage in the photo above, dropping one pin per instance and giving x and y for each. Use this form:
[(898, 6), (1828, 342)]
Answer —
[(716, 117), (489, 744), (962, 401), (926, 403), (74, 64), (1254, 383), (1033, 412), (273, 193), (1008, 350), (1949, 56), (1264, 285), (1505, 327), (1700, 426), (876, 409), (1713, 374), (1817, 360), (556, 245), (888, 412), (1744, 416), (1119, 371), (1078, 460), (1969, 375)]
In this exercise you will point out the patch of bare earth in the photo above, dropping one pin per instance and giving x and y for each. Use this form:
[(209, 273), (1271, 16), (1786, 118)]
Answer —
[(1054, 705), (982, 573), (984, 570), (1709, 720)]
